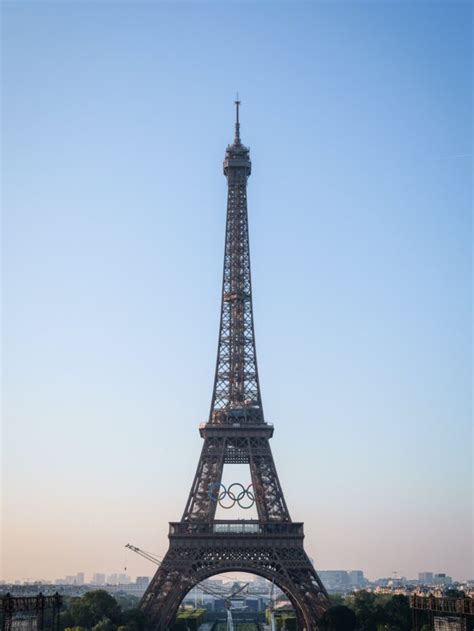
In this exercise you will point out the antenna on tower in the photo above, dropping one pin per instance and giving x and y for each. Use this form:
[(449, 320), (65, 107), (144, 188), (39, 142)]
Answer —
[(237, 123)]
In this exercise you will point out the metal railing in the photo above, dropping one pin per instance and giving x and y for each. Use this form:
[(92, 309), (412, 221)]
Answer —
[(459, 606), (239, 526)]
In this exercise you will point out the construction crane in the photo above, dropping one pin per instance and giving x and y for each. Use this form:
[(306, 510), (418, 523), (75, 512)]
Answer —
[(228, 605), (146, 555), (206, 588), (212, 591)]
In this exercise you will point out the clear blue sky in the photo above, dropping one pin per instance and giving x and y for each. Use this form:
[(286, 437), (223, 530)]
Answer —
[(115, 120)]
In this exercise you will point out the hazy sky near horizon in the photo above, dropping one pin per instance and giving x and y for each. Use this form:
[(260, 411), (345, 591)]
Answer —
[(116, 116)]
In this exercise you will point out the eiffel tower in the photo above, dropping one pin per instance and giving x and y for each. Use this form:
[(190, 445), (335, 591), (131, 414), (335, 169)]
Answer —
[(200, 545)]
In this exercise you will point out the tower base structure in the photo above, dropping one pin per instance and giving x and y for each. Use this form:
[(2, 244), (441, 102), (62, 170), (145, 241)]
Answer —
[(198, 551)]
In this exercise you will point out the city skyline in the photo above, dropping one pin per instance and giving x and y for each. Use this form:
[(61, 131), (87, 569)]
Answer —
[(124, 579), (360, 242)]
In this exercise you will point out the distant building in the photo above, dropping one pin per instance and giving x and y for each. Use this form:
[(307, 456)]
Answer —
[(98, 579), (335, 580), (442, 579), (144, 581), (78, 579), (426, 578), (216, 582), (261, 584), (397, 581), (251, 604), (118, 579), (357, 578)]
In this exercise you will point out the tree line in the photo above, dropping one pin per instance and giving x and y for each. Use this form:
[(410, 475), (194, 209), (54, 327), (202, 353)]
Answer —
[(100, 611), (363, 611)]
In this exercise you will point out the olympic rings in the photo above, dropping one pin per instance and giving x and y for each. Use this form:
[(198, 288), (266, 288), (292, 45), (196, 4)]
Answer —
[(217, 492)]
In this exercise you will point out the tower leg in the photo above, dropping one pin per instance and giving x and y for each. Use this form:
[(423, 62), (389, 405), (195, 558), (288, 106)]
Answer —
[(200, 506), (269, 497), (163, 596)]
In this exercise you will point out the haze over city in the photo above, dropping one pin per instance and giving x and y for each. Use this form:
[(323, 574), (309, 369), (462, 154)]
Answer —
[(115, 127)]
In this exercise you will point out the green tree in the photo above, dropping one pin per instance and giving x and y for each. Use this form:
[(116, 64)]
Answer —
[(189, 619), (66, 621), (126, 627), (288, 622), (133, 619), (126, 601), (336, 599), (105, 625), (339, 618), (93, 607), (397, 613), (368, 611)]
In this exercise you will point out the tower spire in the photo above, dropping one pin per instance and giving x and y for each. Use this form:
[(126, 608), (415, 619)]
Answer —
[(237, 123), (236, 394)]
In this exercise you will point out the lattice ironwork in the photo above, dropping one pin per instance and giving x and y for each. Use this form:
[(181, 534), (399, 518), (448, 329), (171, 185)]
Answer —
[(236, 432), (279, 559), (236, 394), (425, 609), (225, 447), (35, 612)]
